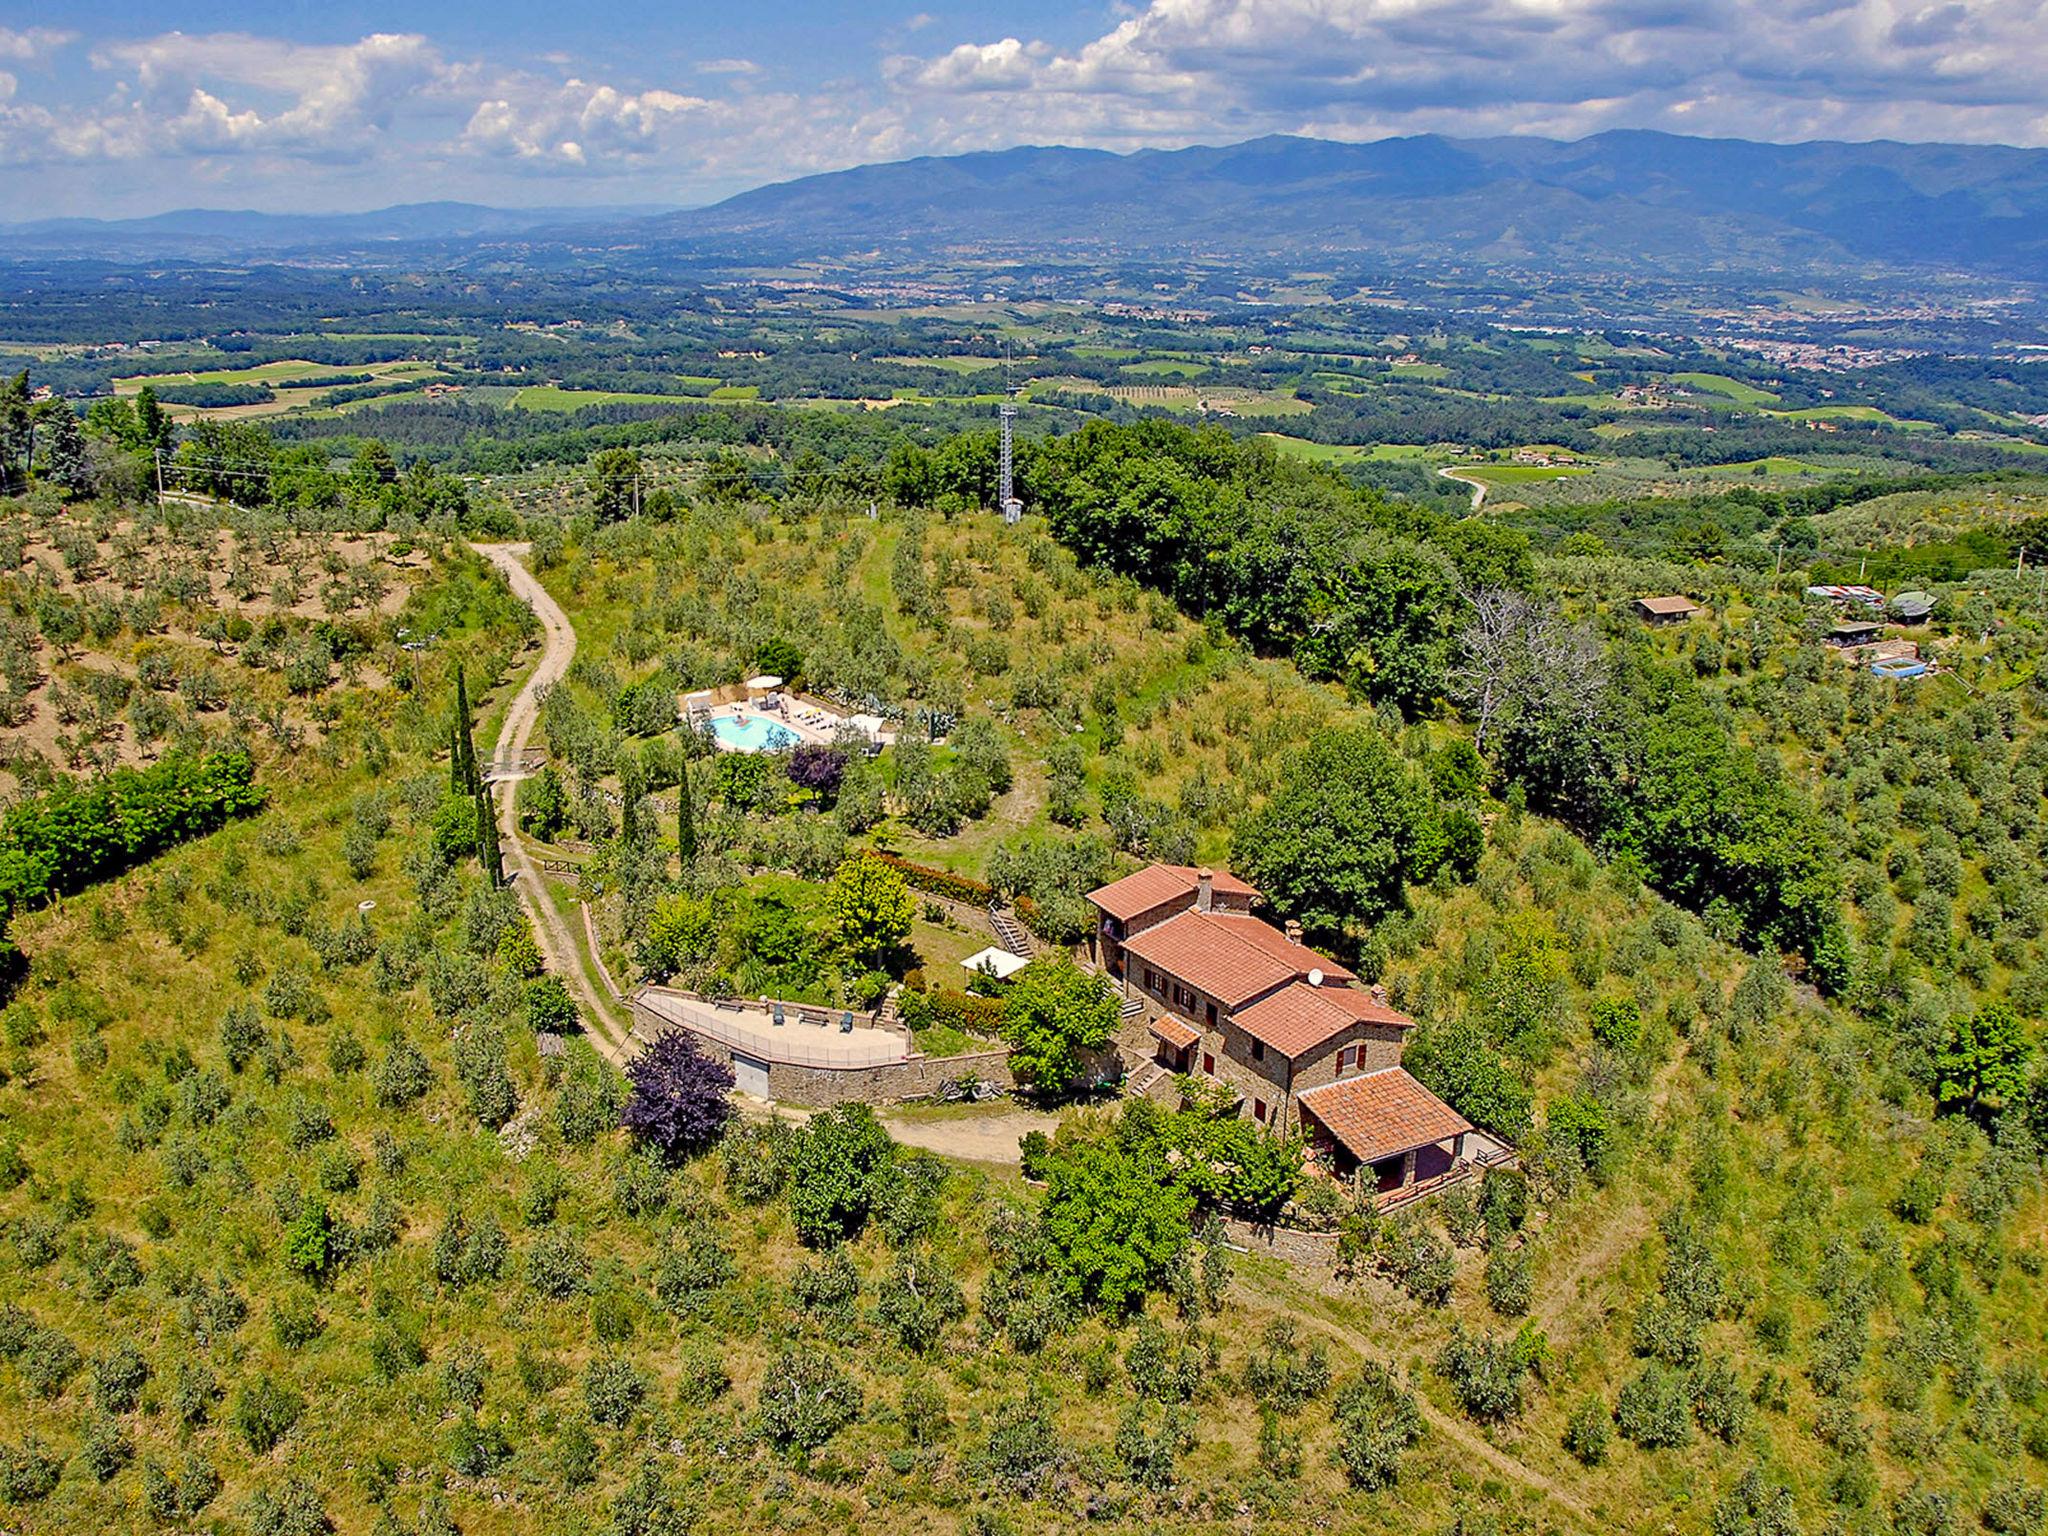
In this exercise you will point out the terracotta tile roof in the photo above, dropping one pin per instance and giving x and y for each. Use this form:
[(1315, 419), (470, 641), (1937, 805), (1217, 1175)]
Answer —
[(1157, 884), (1176, 1034), (1298, 1018), (1193, 947), (1667, 605), (1382, 1114), (1264, 935)]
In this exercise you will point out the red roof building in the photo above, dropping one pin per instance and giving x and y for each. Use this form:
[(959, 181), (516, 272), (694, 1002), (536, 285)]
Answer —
[(1214, 991)]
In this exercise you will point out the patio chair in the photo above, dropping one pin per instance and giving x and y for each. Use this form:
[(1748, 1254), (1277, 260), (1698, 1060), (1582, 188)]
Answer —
[(779, 1019), (846, 1022)]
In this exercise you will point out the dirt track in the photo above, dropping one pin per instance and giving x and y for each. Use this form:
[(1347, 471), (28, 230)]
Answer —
[(557, 943)]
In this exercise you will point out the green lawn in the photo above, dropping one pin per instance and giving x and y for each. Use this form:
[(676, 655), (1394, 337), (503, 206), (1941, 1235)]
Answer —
[(1522, 474), (1855, 413), (549, 397), (1166, 367), (1431, 371), (1720, 384), (952, 364)]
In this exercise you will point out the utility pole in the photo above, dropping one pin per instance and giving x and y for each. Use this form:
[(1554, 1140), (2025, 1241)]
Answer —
[(1006, 496), (157, 458)]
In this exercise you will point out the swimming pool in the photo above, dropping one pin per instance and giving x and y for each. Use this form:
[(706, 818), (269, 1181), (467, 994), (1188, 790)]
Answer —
[(756, 733)]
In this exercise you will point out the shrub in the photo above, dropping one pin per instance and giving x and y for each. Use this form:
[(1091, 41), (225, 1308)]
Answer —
[(264, 1412), (1756, 1508), (549, 1006), (403, 1077), (465, 1255), (1923, 1511), (2014, 1508), (690, 1269), (755, 1159), (307, 1239), (556, 1266), (703, 1378), (105, 1450), (1283, 1374), (1509, 1281), (1159, 1368), (1587, 1431), (1655, 1407), (476, 1448), (47, 1361), (28, 1472), (826, 1286), (1617, 1023), (1487, 1373), (118, 1377), (294, 1509), (806, 1398), (917, 1300), (612, 1390), (1148, 1452), (464, 1375), (1376, 1420), (1718, 1401), (1022, 1451), (923, 1411)]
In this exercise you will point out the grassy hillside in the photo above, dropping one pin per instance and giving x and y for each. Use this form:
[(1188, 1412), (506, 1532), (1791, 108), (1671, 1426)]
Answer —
[(299, 1219)]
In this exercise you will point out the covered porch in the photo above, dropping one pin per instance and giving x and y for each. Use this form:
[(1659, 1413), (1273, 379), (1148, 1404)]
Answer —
[(1386, 1129)]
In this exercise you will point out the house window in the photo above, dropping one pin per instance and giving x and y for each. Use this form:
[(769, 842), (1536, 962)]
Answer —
[(1258, 1050), (1345, 1060), (1259, 1110), (1212, 1015), (1151, 979), (1208, 1064)]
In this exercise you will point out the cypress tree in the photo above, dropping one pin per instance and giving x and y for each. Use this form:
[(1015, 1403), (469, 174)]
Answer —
[(462, 774), (488, 852), (686, 817), (629, 802)]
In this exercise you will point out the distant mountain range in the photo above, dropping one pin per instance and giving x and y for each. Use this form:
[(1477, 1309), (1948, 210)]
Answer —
[(1625, 200), (1651, 204), (215, 233)]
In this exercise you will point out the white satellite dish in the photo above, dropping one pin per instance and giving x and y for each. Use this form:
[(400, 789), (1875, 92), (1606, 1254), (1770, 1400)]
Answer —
[(1315, 977)]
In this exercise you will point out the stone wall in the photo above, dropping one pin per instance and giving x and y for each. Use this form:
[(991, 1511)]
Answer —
[(1311, 1250), (822, 1086)]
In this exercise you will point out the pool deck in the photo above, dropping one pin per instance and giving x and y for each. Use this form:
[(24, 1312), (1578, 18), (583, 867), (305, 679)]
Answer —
[(776, 720), (749, 1027)]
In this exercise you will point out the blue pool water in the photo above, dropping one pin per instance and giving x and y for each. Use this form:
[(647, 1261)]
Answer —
[(754, 734)]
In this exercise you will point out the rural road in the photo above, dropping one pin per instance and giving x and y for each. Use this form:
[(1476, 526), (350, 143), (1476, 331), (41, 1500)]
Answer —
[(557, 943), (1478, 486)]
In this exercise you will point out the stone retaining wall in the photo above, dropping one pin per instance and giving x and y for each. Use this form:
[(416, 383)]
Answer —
[(820, 1087), (1313, 1250)]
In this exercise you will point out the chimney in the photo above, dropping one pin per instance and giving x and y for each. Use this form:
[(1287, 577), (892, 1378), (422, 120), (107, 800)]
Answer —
[(1379, 994), (1293, 931), (1205, 890)]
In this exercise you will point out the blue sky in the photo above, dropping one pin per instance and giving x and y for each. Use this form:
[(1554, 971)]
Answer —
[(112, 109)]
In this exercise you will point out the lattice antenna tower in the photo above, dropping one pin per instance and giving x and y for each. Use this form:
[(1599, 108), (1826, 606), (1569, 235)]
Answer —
[(1007, 499)]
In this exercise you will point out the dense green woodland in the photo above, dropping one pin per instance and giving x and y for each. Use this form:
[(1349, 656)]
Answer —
[(1742, 947)]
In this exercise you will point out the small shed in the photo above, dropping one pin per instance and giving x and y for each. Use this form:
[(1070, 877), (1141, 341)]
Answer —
[(1912, 607), (1665, 610), (999, 963), (1852, 633)]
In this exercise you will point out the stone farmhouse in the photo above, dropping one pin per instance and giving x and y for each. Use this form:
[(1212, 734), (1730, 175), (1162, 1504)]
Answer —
[(1213, 991)]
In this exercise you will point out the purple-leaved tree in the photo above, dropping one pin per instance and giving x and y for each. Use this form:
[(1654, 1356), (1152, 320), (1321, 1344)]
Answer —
[(817, 767), (678, 1104)]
